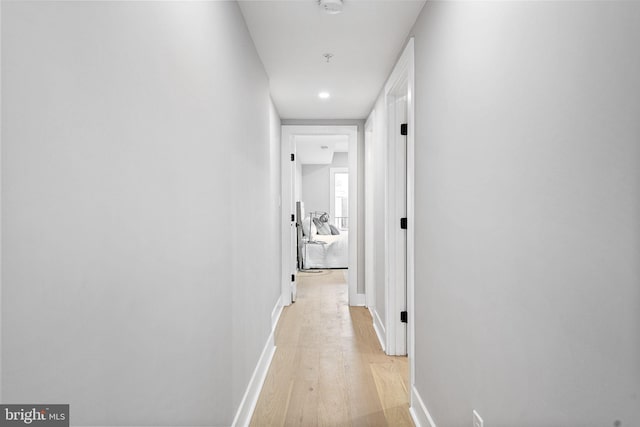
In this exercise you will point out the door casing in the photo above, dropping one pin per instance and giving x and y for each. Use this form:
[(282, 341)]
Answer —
[(401, 83), (289, 133)]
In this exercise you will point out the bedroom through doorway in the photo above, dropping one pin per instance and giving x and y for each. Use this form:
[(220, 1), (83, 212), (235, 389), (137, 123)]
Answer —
[(322, 202), (321, 184)]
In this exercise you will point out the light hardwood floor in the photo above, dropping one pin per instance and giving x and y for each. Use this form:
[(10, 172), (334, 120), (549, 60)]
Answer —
[(329, 369)]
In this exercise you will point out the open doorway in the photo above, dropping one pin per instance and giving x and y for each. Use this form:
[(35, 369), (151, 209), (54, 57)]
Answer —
[(319, 204), (399, 117), (389, 211), (322, 201), (397, 112)]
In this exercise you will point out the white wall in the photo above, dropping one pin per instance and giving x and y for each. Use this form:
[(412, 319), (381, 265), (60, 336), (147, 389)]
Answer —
[(315, 183), (136, 148), (527, 212)]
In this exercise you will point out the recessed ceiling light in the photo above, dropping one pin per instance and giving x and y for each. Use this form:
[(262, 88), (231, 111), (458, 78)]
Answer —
[(324, 95), (332, 7)]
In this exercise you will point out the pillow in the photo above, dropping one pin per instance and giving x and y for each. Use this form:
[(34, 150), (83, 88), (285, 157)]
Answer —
[(323, 227), (334, 230), (305, 227)]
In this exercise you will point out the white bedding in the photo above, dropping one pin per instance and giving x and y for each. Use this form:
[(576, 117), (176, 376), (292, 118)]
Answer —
[(333, 253)]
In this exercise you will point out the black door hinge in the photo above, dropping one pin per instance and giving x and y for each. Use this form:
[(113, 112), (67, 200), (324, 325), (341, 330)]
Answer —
[(403, 223), (403, 316), (293, 157), (403, 129), (293, 217), (293, 277)]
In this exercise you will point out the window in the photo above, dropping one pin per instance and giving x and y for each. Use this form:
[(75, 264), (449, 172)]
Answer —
[(339, 197)]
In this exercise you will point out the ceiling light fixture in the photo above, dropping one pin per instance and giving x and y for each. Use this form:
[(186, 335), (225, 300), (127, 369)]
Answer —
[(324, 95), (332, 7)]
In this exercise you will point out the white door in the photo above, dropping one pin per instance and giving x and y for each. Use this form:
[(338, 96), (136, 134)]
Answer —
[(400, 142), (402, 178), (293, 232), (397, 312), (289, 237), (400, 203)]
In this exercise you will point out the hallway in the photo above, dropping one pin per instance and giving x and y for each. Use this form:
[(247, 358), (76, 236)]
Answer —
[(148, 228), (329, 368)]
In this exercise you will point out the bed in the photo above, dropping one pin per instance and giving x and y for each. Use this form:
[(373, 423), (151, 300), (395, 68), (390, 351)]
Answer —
[(321, 251)]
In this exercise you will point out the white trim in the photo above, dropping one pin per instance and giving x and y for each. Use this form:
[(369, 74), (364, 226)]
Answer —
[(378, 326), (289, 250), (276, 312), (398, 93), (369, 234), (419, 412), (250, 398), (402, 74), (287, 198), (354, 212), (411, 143), (251, 395)]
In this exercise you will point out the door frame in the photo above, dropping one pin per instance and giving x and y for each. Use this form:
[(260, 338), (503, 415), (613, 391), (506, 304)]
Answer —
[(396, 208), (402, 74), (289, 133), (369, 236), (289, 236)]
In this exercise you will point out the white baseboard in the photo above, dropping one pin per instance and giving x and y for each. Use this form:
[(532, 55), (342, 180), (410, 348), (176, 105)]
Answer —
[(276, 312), (419, 412), (378, 326), (250, 398)]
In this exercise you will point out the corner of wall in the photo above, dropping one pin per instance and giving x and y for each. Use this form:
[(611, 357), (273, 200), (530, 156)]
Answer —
[(378, 326)]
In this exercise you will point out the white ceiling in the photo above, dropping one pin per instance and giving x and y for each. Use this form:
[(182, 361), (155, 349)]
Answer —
[(365, 39), (309, 148)]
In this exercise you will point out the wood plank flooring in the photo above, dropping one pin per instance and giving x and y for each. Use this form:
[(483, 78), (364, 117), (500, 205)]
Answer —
[(329, 369)]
